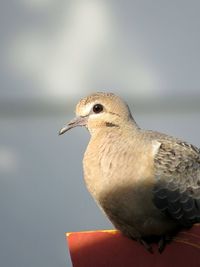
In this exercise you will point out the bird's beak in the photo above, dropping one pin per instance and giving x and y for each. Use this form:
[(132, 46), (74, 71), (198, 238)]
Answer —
[(78, 121)]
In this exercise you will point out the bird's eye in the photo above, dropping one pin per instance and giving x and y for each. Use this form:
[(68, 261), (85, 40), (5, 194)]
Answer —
[(97, 108)]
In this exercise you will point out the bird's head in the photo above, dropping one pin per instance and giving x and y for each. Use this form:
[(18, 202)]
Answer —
[(100, 110)]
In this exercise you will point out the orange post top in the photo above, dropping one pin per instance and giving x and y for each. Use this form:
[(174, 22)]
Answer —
[(110, 248)]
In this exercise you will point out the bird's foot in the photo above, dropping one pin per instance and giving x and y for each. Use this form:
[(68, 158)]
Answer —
[(161, 244), (163, 241), (146, 245)]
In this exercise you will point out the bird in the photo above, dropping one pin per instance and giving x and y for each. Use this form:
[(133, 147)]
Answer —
[(147, 183)]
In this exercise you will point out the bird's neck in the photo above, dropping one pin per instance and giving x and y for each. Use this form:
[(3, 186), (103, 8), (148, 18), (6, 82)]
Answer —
[(115, 128)]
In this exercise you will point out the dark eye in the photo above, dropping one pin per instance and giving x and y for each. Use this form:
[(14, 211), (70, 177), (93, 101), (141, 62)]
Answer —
[(97, 108)]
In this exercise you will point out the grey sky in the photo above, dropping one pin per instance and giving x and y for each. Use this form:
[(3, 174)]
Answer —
[(52, 52)]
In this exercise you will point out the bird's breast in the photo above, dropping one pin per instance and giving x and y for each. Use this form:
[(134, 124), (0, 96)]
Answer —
[(112, 163), (119, 174)]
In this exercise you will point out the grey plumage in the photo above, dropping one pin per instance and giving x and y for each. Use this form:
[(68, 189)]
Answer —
[(177, 190)]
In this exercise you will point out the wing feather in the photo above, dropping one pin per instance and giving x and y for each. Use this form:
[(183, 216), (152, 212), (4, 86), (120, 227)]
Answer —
[(177, 187)]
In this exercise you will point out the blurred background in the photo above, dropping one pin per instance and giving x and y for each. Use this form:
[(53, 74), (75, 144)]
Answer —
[(52, 53)]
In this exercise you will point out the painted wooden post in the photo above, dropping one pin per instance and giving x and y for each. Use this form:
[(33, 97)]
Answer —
[(108, 248)]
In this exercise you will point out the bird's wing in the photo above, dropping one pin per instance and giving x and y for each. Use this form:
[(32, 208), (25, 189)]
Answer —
[(177, 187)]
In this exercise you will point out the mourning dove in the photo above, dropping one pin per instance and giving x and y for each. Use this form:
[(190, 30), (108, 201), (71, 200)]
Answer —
[(146, 182)]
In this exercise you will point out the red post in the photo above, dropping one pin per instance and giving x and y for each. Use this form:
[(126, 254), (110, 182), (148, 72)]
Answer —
[(110, 248)]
